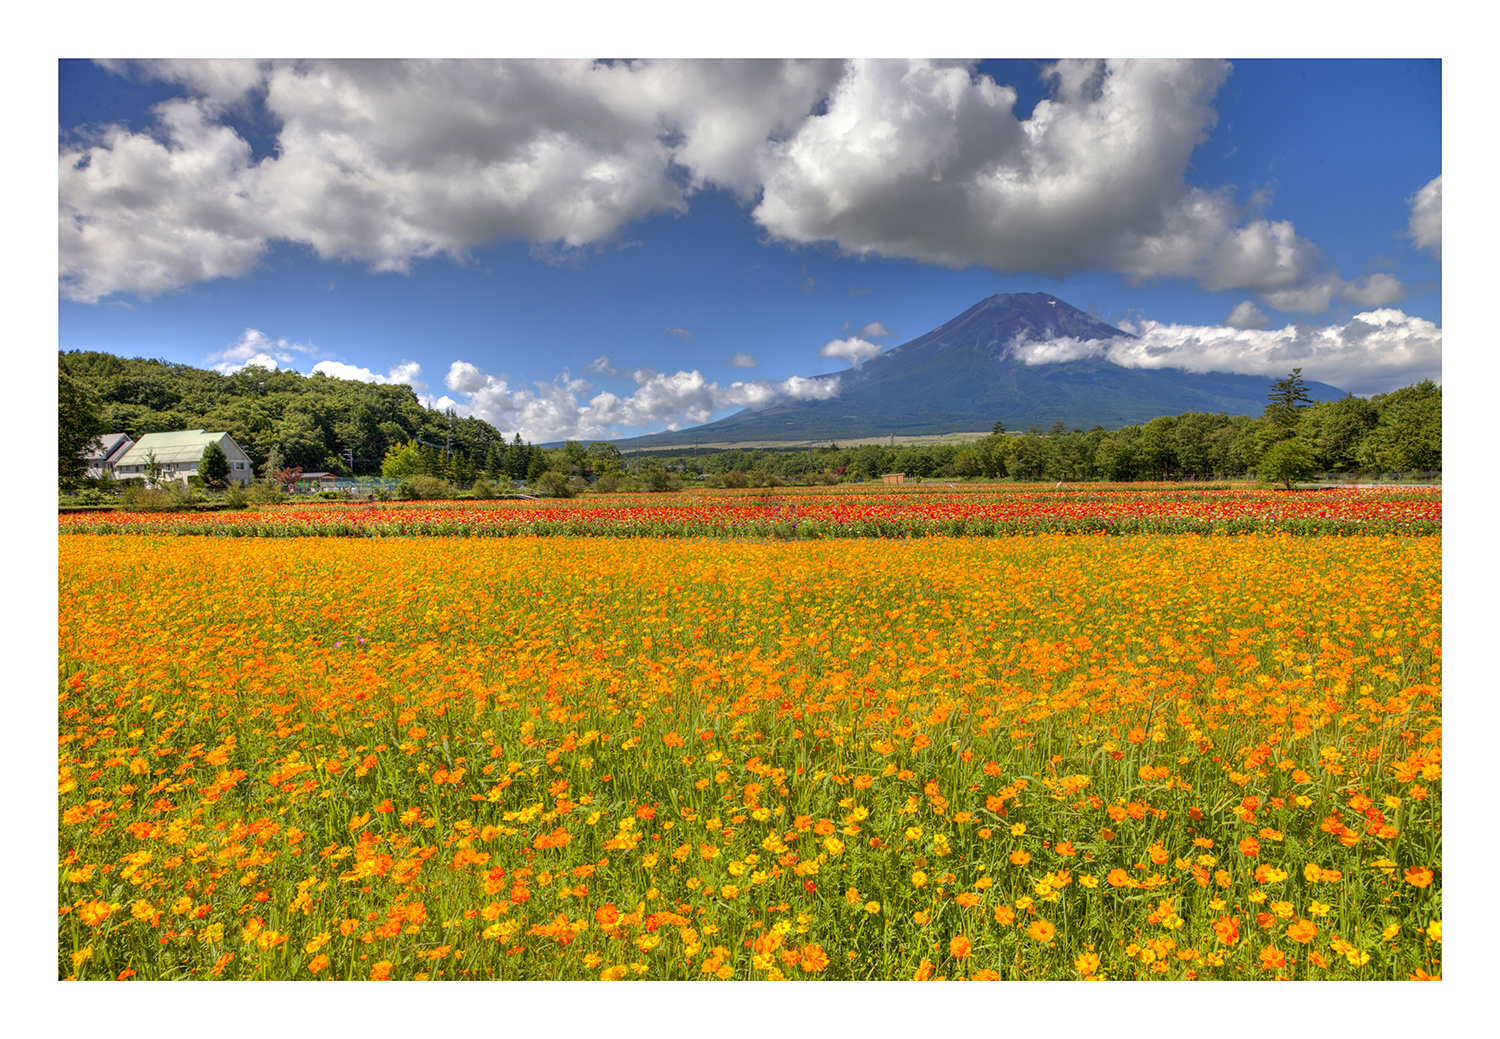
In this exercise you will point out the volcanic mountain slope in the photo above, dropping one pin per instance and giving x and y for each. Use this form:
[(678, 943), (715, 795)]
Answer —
[(964, 376)]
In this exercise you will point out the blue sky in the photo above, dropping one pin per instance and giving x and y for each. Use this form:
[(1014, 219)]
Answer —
[(569, 249)]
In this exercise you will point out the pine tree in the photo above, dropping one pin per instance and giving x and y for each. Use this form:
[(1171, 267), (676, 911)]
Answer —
[(78, 425), (517, 459), (463, 469), (214, 465), (494, 461), (1287, 398)]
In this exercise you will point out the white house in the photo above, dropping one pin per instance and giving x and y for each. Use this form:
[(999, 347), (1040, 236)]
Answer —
[(178, 454), (103, 452)]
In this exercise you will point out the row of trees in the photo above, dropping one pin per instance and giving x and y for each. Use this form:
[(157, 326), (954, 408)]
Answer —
[(1393, 432), (517, 460)]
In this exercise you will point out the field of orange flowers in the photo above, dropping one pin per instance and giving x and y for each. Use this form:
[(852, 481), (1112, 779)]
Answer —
[(813, 513), (1049, 757)]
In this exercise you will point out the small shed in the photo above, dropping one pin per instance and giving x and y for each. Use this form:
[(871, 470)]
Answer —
[(316, 481), (893, 478)]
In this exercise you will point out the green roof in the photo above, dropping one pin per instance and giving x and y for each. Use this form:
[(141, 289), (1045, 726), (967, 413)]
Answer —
[(185, 445)]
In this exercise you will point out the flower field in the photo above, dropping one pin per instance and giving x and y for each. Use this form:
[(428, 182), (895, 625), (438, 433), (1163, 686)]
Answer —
[(813, 513), (1042, 757)]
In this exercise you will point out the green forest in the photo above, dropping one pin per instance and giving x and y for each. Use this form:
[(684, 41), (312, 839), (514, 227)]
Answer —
[(314, 422), (351, 428)]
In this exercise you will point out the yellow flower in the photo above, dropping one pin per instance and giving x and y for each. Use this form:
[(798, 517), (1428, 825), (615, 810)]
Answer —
[(918, 878), (872, 908)]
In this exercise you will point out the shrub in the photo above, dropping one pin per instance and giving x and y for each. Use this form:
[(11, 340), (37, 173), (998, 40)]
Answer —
[(266, 492), (608, 482), (484, 489), (1286, 462), (425, 487), (552, 484), (169, 496), (656, 479)]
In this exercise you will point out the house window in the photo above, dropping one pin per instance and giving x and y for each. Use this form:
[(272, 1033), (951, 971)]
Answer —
[(239, 465)]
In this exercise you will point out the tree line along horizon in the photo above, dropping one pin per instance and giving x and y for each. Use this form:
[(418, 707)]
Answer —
[(284, 420)]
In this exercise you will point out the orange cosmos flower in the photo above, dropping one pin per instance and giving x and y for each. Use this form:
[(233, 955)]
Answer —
[(1005, 915), (381, 971), (1041, 930), (1249, 847), (814, 959), (960, 947), (607, 915), (1020, 857), (95, 912), (1302, 931), (1087, 963), (1272, 959), (317, 963), (1419, 876), (1117, 877)]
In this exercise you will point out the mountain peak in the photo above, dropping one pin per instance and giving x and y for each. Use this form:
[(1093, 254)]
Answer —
[(964, 375), (997, 322)]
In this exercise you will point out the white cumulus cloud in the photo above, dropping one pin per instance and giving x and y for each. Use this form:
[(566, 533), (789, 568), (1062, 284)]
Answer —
[(257, 348), (1373, 352), (1426, 225), (927, 161), (743, 361), (407, 373), (853, 349), (1247, 315)]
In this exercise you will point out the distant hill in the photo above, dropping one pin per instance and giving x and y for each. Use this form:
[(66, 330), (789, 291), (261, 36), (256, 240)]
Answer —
[(964, 376)]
